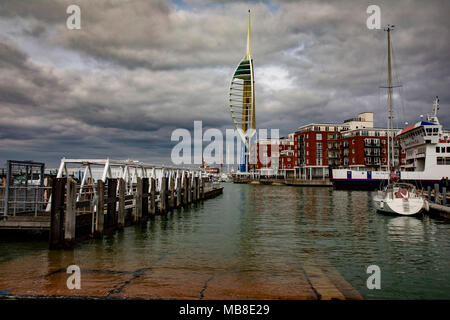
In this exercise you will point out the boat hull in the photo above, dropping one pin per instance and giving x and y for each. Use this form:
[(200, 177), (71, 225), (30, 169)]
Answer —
[(366, 184), (404, 207), (372, 180)]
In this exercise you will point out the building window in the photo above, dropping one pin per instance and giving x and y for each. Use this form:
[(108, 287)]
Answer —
[(353, 150), (448, 149), (438, 150), (353, 141), (318, 136), (319, 153), (443, 149)]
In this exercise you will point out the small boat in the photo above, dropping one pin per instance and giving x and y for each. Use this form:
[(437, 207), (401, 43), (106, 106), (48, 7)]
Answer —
[(399, 198)]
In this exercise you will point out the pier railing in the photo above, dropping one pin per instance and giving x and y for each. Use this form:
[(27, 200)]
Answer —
[(23, 200), (79, 212), (119, 194)]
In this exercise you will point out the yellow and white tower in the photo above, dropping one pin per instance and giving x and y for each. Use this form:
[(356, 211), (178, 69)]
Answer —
[(242, 101)]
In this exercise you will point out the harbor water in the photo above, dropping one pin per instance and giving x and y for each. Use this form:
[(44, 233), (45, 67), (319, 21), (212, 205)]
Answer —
[(253, 237)]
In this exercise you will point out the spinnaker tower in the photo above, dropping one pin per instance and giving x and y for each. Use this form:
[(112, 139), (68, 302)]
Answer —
[(242, 102)]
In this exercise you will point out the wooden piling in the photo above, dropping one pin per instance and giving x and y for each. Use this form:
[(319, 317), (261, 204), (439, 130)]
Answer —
[(444, 196), (185, 189), (152, 196), (189, 188), (178, 203), (100, 217), (172, 193), (194, 189), (111, 204), (429, 192), (436, 193), (137, 212), (163, 196), (145, 196), (70, 214), (197, 188), (121, 209), (57, 212), (202, 190)]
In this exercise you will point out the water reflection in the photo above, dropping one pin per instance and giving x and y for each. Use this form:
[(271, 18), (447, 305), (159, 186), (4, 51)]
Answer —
[(405, 229), (255, 234)]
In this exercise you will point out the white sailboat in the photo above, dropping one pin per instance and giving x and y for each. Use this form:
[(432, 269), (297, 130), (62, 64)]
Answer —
[(399, 198), (396, 198)]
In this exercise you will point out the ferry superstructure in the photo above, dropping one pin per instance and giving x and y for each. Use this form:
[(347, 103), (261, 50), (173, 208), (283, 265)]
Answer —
[(427, 148)]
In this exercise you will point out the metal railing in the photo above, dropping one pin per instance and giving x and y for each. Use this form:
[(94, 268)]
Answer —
[(24, 200)]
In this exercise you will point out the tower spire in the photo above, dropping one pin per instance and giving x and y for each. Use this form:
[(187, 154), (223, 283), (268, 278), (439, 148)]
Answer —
[(249, 45)]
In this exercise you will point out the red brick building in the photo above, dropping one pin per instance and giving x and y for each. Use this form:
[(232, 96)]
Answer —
[(353, 144), (316, 148)]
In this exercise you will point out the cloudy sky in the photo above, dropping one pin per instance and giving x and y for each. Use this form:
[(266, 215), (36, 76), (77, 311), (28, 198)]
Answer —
[(138, 69)]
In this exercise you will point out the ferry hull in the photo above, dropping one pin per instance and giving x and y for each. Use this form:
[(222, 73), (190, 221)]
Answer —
[(372, 180), (370, 184)]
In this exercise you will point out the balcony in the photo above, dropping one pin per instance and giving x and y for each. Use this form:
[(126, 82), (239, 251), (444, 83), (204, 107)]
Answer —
[(371, 144), (371, 154)]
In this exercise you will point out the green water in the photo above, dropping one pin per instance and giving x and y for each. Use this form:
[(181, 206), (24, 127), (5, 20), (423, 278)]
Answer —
[(271, 231)]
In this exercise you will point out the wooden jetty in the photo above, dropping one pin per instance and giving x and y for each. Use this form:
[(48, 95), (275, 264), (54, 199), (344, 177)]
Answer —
[(438, 201), (76, 211)]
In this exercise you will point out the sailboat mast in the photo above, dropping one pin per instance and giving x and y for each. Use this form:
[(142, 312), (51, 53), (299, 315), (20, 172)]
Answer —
[(390, 139)]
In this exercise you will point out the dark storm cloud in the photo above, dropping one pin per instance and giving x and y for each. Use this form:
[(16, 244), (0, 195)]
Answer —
[(139, 69)]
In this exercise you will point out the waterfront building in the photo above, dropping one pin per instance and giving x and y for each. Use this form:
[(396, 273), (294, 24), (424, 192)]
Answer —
[(355, 144), (275, 156)]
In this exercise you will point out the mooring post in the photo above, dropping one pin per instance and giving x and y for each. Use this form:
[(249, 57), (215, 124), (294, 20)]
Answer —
[(189, 184), (137, 211), (185, 189), (198, 187), (202, 182), (111, 219), (57, 213), (100, 216), (70, 215), (444, 196), (194, 189), (145, 195), (178, 191), (152, 196), (436, 193), (172, 192), (121, 209), (163, 196), (429, 193)]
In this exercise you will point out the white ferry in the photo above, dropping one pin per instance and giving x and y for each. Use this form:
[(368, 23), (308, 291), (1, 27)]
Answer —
[(427, 162)]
